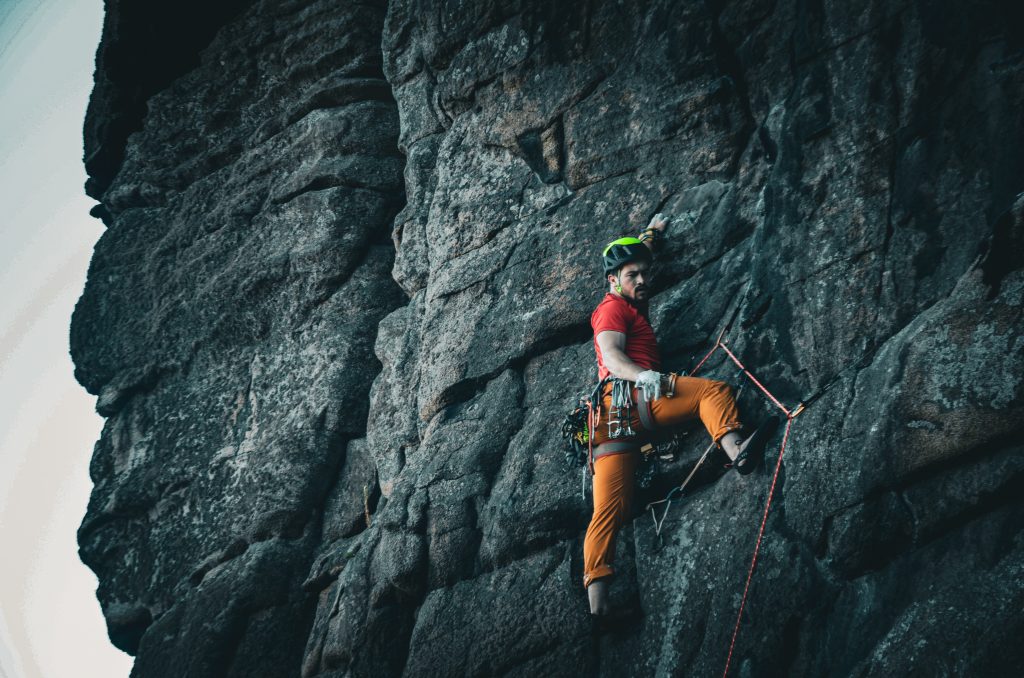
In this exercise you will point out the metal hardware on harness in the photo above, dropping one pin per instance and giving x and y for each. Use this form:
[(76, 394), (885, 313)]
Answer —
[(619, 425), (671, 390)]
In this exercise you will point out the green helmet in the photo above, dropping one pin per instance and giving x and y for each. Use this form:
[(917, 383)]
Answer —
[(623, 251)]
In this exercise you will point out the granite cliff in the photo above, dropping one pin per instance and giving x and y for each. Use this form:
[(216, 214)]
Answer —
[(342, 305)]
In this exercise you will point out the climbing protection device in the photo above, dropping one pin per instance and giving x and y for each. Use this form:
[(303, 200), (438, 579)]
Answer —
[(676, 492)]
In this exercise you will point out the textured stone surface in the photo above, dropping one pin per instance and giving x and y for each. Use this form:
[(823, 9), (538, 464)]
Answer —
[(227, 329), (847, 188)]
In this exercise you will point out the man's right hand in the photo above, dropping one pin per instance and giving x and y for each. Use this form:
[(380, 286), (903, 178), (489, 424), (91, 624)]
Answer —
[(650, 382)]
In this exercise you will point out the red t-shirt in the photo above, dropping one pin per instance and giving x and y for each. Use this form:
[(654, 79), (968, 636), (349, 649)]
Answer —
[(617, 314)]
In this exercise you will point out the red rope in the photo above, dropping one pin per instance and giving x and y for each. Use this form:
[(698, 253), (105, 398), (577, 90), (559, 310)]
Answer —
[(757, 546), (754, 379), (705, 358), (771, 490)]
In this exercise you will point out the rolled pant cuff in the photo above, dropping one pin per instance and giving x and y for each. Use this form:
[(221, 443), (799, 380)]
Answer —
[(736, 426), (600, 572)]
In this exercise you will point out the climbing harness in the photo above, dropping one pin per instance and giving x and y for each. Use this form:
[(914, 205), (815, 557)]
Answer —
[(579, 425)]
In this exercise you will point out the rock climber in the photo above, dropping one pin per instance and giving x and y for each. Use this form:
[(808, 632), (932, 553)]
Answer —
[(626, 350)]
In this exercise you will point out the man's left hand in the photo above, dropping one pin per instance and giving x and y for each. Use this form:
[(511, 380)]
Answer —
[(658, 222)]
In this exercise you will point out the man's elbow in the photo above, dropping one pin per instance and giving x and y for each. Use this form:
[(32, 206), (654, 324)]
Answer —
[(617, 367)]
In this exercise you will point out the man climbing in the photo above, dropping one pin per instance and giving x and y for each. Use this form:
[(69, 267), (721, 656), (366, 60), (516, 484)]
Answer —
[(638, 400)]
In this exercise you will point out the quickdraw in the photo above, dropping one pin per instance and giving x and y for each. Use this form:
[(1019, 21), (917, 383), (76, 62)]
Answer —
[(621, 410)]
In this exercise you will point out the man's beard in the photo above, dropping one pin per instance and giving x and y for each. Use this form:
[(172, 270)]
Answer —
[(640, 304)]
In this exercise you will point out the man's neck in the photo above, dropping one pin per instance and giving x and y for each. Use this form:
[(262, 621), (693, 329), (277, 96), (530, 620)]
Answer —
[(641, 306)]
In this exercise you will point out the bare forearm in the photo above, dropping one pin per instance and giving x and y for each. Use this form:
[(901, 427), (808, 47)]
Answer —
[(619, 364)]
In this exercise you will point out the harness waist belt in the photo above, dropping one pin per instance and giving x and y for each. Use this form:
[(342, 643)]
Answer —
[(615, 447)]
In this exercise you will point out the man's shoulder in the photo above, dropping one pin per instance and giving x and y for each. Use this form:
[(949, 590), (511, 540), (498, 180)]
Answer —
[(610, 300), (612, 304)]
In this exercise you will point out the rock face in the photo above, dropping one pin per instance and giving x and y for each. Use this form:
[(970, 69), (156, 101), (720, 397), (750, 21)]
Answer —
[(333, 394)]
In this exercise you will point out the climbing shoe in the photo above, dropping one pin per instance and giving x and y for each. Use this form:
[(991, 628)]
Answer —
[(753, 452)]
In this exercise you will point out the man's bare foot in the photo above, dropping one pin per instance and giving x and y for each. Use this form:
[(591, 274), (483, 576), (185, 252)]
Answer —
[(732, 444)]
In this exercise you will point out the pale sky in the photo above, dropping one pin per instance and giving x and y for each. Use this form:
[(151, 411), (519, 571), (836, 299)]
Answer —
[(50, 620)]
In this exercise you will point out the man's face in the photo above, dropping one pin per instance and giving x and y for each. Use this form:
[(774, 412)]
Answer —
[(635, 279)]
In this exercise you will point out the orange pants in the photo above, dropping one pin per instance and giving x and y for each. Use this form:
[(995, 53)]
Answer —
[(708, 399)]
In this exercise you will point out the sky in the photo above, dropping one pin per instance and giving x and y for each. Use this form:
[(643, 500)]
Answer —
[(50, 621)]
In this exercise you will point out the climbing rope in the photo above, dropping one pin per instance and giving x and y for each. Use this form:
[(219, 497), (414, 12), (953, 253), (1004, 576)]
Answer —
[(791, 414), (757, 545), (754, 379)]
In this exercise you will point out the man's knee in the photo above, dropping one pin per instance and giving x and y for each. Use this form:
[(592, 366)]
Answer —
[(719, 388), (612, 509)]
